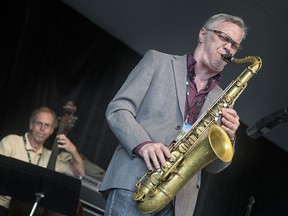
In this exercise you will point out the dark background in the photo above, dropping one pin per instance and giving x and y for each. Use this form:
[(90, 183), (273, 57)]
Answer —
[(172, 27), (50, 54)]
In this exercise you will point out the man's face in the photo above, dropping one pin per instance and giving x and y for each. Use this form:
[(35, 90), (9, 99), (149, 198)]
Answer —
[(42, 127), (222, 38)]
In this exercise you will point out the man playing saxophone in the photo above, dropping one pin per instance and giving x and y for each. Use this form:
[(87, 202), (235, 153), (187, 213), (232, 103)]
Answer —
[(163, 95)]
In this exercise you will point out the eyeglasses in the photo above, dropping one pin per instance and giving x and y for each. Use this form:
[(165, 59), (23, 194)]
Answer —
[(227, 39), (41, 124)]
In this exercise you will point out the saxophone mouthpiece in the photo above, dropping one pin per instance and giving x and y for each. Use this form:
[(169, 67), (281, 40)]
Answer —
[(227, 57)]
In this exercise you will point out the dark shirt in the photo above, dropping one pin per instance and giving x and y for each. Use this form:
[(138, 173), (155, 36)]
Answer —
[(195, 99)]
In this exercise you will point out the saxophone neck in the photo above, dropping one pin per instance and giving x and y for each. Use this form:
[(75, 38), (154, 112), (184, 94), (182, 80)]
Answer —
[(256, 62)]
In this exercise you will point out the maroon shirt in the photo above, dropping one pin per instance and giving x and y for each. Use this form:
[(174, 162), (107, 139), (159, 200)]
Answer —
[(195, 99)]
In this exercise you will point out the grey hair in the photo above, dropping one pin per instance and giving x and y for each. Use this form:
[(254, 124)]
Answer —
[(44, 109), (227, 18)]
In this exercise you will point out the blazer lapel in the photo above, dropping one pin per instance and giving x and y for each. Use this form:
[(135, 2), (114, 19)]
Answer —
[(180, 73), (211, 97), (179, 66)]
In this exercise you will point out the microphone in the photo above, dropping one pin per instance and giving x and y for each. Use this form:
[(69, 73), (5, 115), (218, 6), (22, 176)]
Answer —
[(266, 123), (250, 204)]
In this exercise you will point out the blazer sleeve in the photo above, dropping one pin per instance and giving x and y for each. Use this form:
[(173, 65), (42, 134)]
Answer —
[(122, 110)]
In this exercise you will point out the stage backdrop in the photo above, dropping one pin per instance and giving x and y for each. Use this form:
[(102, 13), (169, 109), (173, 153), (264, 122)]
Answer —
[(50, 54)]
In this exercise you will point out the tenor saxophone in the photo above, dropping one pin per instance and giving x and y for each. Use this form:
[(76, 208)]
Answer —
[(204, 142)]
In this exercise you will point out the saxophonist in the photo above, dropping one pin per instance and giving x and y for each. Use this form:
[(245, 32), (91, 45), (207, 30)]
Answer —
[(162, 96)]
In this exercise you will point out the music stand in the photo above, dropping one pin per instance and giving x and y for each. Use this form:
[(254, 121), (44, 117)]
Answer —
[(33, 184)]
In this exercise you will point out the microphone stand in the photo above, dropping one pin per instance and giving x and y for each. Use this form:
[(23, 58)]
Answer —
[(39, 195), (250, 204)]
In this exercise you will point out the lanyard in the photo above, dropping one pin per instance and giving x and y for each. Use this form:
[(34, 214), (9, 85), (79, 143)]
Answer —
[(187, 101), (198, 102), (28, 153)]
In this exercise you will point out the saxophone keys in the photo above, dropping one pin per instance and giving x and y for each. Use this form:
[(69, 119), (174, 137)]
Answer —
[(155, 178), (171, 160), (199, 130), (192, 138), (227, 99), (158, 170), (183, 148), (218, 113), (206, 122)]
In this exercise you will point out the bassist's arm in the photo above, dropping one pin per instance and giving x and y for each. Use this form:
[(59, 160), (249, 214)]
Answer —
[(77, 164)]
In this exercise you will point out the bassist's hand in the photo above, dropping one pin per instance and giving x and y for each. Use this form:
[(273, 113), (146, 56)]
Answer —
[(65, 143)]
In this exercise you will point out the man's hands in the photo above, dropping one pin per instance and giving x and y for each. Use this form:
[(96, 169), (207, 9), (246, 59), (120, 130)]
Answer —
[(230, 122), (154, 155)]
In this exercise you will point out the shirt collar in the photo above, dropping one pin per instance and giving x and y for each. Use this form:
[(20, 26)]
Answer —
[(191, 62), (28, 145)]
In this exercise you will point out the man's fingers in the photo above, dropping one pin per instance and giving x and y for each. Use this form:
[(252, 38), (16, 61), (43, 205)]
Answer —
[(154, 155)]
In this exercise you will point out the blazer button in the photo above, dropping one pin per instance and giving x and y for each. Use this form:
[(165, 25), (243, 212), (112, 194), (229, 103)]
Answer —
[(178, 127)]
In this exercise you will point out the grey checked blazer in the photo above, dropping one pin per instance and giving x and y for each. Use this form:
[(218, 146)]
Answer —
[(152, 111)]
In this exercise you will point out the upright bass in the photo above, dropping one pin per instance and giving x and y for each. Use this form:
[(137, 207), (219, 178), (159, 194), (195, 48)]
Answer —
[(66, 122)]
